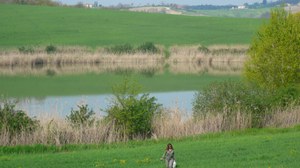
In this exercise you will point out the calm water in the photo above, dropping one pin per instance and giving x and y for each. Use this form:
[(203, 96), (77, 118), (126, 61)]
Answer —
[(61, 106)]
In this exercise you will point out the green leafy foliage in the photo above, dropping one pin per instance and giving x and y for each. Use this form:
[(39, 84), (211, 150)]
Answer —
[(274, 54), (121, 49), (15, 121), (50, 72), (231, 97), (81, 117), (33, 2), (148, 47), (132, 113), (203, 49), (51, 49), (26, 50)]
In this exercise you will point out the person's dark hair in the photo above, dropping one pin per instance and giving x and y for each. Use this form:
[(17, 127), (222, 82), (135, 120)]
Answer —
[(169, 146)]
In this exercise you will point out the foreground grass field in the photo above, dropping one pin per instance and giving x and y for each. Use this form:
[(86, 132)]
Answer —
[(23, 25), (250, 148), (39, 86)]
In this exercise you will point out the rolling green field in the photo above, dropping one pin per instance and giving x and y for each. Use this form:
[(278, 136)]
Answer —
[(269, 148), (24, 25), (39, 86)]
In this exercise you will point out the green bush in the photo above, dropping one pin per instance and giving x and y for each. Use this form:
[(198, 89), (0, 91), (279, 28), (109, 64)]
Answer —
[(148, 47), (26, 50), (231, 97), (132, 113), (121, 49), (203, 49), (15, 121), (274, 54), (50, 72), (35, 2), (51, 49), (150, 72), (167, 53), (81, 117)]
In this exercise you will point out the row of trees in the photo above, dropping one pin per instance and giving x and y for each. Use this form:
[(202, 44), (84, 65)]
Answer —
[(32, 2)]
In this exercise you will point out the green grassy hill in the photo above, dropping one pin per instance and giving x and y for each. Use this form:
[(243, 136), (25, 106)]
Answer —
[(23, 25), (264, 148)]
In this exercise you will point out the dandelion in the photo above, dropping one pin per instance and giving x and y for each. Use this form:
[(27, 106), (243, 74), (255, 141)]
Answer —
[(122, 162), (99, 164)]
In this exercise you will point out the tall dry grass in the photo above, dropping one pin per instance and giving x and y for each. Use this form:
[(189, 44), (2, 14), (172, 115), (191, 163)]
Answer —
[(74, 60), (172, 123), (189, 59)]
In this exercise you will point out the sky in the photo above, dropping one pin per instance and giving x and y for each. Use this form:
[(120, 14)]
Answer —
[(181, 2)]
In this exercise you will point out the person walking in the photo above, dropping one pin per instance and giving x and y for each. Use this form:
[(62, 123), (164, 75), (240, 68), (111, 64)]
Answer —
[(169, 156)]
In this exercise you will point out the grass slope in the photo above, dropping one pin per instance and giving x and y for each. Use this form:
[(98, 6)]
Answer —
[(39, 86), (23, 25), (250, 148)]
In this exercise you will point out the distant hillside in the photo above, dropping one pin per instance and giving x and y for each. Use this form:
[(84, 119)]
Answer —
[(23, 25), (162, 9)]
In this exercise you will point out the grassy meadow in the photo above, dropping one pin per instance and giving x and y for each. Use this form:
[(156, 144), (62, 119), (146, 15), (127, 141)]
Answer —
[(39, 86), (24, 25), (247, 148)]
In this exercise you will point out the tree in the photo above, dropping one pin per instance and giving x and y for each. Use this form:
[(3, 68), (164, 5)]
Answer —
[(274, 55), (81, 117), (264, 2), (131, 112)]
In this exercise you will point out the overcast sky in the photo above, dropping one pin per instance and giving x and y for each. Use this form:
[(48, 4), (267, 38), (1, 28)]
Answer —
[(183, 2)]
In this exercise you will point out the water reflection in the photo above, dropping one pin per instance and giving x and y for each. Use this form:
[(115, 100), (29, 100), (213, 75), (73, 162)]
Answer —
[(61, 106), (213, 66)]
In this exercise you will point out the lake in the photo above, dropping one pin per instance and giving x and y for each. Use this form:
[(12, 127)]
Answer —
[(60, 106)]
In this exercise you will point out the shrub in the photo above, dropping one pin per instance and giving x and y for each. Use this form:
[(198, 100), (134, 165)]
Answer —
[(15, 121), (26, 50), (148, 47), (51, 49), (167, 53), (203, 49), (132, 113), (231, 97), (150, 72), (81, 117), (121, 49), (38, 62), (50, 72)]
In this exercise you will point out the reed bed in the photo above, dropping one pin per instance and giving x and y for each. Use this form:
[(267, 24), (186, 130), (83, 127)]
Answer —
[(172, 123), (73, 60), (76, 60), (79, 68), (189, 59)]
